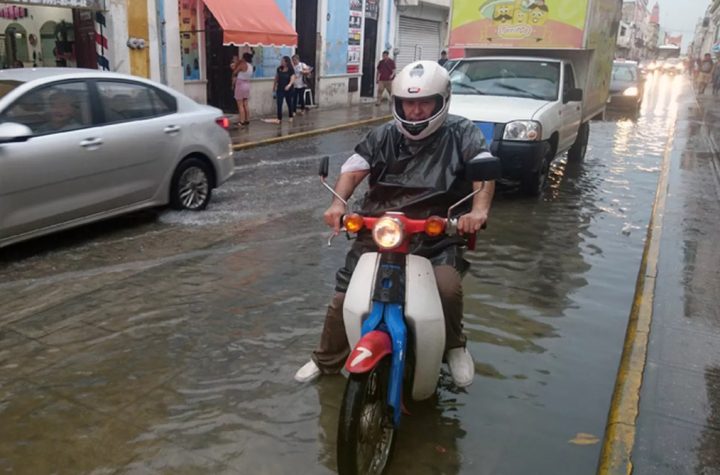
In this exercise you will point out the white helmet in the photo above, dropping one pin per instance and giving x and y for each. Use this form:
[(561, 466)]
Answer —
[(419, 80)]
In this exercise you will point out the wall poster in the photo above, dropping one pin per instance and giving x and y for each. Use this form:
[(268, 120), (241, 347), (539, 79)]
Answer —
[(354, 36)]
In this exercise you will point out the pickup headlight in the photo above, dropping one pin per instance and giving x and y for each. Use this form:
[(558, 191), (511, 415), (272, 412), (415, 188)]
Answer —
[(631, 91), (525, 130)]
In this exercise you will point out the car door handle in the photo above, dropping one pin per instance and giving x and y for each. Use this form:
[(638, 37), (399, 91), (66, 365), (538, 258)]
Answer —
[(171, 129), (90, 143)]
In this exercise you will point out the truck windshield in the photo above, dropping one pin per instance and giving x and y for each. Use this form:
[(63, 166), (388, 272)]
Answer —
[(514, 78)]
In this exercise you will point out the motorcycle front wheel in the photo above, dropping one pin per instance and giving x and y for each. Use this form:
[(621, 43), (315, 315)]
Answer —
[(366, 434)]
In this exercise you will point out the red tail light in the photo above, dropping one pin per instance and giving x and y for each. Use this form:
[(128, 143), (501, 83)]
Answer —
[(223, 122)]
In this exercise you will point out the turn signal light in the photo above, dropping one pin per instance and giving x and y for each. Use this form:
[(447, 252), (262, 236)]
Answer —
[(354, 223), (434, 226)]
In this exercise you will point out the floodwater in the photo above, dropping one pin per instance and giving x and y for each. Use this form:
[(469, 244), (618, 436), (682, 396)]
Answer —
[(165, 342)]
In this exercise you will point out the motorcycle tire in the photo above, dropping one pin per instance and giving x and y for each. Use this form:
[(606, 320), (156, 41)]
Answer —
[(366, 435)]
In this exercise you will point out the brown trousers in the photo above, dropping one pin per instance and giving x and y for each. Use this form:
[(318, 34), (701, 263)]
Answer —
[(334, 349), (383, 86)]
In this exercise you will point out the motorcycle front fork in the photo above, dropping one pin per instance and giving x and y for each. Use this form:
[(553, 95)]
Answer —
[(388, 315)]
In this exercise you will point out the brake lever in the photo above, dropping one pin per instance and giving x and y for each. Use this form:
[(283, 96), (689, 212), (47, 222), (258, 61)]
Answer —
[(332, 235)]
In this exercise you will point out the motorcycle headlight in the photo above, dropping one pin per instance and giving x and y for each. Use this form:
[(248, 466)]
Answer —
[(388, 233), (525, 130), (631, 91)]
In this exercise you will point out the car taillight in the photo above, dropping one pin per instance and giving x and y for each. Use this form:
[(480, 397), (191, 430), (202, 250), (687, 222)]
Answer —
[(223, 122)]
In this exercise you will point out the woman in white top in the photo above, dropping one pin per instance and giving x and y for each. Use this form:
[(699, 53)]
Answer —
[(243, 72), (302, 70)]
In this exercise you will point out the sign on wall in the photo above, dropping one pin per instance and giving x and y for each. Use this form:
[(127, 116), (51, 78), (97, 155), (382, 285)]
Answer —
[(354, 36)]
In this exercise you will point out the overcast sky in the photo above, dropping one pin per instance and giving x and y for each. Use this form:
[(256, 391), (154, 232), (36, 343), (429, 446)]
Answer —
[(680, 16)]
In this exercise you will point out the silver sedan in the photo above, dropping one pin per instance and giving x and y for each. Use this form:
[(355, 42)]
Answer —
[(80, 145)]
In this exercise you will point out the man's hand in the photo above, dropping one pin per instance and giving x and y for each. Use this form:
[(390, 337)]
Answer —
[(332, 216), (472, 222)]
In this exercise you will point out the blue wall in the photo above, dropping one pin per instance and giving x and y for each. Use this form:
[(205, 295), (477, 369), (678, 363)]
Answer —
[(267, 59), (336, 42)]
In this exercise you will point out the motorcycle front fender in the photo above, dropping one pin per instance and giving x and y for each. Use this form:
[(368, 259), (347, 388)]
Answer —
[(368, 352)]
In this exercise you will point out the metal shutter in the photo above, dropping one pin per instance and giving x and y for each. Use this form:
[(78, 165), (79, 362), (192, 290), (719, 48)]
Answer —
[(419, 39)]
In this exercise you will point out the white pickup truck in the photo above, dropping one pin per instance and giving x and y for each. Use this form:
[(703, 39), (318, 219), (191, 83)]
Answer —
[(533, 88)]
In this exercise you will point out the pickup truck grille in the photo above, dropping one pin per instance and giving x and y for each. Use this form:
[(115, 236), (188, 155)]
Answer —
[(488, 130)]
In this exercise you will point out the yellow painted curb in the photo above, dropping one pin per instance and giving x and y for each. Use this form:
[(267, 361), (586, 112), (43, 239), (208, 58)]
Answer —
[(620, 429), (310, 133)]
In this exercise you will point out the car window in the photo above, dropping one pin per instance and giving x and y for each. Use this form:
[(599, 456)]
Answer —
[(569, 79), (513, 78), (49, 109), (623, 73), (123, 101)]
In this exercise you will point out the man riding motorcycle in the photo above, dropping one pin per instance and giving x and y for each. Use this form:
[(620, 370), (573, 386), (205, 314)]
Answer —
[(415, 165)]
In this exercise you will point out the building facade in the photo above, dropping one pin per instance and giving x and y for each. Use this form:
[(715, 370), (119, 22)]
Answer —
[(115, 35), (342, 40), (707, 32), (184, 43)]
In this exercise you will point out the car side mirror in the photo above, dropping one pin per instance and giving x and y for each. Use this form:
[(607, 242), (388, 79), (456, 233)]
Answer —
[(324, 166), (14, 132), (573, 95), (484, 167)]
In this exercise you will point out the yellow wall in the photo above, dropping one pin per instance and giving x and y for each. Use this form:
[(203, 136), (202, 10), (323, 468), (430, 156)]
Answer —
[(138, 28)]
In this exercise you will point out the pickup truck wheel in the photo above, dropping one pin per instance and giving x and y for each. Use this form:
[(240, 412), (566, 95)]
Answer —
[(533, 184), (577, 151)]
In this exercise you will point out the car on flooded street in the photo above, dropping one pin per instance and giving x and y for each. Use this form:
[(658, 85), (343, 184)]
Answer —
[(78, 146), (626, 86)]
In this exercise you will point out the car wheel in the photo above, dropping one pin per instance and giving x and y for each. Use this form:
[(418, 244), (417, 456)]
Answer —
[(533, 184), (579, 148), (191, 185)]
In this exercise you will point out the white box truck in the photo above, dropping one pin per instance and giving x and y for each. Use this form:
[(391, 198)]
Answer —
[(532, 74)]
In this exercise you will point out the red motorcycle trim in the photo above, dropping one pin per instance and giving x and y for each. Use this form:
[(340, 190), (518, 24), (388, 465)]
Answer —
[(368, 352)]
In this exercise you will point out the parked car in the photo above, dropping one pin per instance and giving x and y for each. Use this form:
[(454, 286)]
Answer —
[(626, 85), (80, 145)]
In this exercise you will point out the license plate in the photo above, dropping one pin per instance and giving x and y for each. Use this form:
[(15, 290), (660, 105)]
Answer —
[(488, 130)]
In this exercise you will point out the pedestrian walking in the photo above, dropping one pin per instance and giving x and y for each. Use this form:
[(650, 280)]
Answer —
[(385, 75), (302, 72), (282, 88), (443, 58), (243, 71), (705, 74)]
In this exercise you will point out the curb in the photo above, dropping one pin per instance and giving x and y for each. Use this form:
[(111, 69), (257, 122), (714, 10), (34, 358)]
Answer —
[(619, 440), (309, 133)]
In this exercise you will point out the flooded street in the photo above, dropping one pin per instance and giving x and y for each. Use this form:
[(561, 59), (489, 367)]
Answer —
[(166, 342)]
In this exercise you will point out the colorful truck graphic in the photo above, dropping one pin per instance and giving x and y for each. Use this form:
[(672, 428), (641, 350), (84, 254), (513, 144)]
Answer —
[(519, 23)]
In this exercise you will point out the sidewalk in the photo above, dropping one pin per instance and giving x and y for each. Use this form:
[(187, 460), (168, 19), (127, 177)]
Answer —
[(665, 417), (315, 121)]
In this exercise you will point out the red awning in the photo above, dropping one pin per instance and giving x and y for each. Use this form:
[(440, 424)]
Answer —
[(252, 23)]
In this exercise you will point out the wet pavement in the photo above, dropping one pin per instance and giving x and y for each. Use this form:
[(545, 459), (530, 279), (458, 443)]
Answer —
[(259, 132), (165, 342), (679, 422)]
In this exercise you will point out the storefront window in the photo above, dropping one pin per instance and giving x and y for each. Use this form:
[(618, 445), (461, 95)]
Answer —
[(189, 39)]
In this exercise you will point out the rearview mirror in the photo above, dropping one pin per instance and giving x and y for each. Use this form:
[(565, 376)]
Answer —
[(484, 167), (574, 95), (13, 132), (324, 165)]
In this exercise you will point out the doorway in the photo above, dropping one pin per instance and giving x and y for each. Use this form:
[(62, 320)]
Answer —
[(372, 9), (219, 57), (85, 50), (306, 12)]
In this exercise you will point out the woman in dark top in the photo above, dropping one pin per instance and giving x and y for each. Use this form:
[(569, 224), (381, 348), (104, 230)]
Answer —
[(283, 88)]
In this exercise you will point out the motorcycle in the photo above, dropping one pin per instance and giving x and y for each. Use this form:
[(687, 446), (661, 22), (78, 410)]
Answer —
[(395, 326)]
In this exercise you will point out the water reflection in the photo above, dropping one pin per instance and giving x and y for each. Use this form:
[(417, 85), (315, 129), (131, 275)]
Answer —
[(215, 314)]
